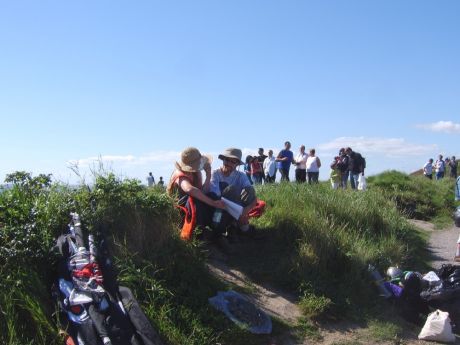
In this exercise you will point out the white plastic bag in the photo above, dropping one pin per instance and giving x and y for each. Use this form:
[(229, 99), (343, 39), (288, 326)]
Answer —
[(437, 328), (431, 277), (362, 185)]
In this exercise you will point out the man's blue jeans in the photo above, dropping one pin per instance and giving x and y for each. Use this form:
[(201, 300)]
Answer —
[(354, 180)]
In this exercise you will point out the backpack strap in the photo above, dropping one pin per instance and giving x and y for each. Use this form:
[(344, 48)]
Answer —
[(189, 211), (181, 174)]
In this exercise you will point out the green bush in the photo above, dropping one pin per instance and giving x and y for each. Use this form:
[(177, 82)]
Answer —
[(416, 196), (167, 276)]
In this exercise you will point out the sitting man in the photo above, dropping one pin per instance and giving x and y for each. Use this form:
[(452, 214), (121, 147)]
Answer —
[(233, 185)]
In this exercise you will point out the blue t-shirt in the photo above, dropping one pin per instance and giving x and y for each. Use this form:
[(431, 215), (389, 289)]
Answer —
[(219, 181), (285, 165)]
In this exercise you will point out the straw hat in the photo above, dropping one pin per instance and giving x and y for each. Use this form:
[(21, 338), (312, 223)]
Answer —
[(192, 160), (232, 153)]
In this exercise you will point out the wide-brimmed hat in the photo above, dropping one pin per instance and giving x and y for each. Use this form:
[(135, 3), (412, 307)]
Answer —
[(192, 160), (232, 153)]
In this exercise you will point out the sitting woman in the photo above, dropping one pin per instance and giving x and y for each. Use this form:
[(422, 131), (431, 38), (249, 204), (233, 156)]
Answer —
[(187, 184)]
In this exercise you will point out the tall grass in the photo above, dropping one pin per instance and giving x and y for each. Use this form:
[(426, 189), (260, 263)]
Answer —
[(417, 196), (321, 242)]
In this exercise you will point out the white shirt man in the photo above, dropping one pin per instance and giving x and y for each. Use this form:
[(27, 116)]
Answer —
[(270, 168), (150, 180), (301, 165), (428, 169)]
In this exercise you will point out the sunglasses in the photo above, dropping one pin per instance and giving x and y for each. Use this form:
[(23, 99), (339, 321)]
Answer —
[(233, 161)]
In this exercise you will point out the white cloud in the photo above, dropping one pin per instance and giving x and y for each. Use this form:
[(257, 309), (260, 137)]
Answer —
[(441, 126), (127, 160), (387, 146)]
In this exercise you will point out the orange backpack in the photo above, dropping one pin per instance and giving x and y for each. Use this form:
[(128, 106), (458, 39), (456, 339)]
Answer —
[(190, 213)]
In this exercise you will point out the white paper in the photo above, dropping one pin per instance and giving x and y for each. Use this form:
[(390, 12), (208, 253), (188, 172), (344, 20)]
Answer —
[(233, 208)]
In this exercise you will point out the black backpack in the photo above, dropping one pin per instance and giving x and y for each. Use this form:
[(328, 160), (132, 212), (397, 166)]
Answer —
[(110, 314)]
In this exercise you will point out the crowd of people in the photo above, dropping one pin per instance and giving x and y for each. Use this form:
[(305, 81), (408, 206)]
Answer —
[(348, 165), (439, 167)]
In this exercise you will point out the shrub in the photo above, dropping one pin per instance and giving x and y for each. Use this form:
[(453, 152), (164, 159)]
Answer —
[(416, 196)]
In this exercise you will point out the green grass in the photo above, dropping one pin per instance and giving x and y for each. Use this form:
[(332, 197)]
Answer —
[(384, 330), (347, 342), (319, 243), (418, 197), (305, 328)]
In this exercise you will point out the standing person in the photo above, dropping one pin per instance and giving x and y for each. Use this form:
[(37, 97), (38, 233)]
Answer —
[(428, 169), (256, 171), (356, 166), (284, 160), (161, 183), (186, 181), (270, 168), (261, 158), (336, 178), (453, 167), (247, 167), (233, 185), (313, 164), (150, 180), (301, 165), (343, 167), (439, 168)]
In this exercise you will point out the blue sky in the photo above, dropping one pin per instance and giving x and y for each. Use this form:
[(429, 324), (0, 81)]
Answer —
[(133, 83)]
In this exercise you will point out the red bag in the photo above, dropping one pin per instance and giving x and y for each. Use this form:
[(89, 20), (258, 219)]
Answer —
[(258, 209)]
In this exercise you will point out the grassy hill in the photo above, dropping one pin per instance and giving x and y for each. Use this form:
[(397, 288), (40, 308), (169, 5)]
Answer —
[(318, 245)]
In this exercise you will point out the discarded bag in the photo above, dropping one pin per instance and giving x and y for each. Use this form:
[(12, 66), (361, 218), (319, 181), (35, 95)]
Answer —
[(437, 328), (242, 312)]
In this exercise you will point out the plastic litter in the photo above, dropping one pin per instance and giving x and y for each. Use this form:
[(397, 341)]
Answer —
[(242, 312), (437, 328), (396, 290), (431, 277), (394, 272), (379, 281)]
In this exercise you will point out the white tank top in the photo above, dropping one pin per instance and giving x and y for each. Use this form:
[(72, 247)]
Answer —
[(312, 164)]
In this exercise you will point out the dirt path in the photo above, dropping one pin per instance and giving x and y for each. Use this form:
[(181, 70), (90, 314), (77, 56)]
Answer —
[(442, 244), (270, 300)]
